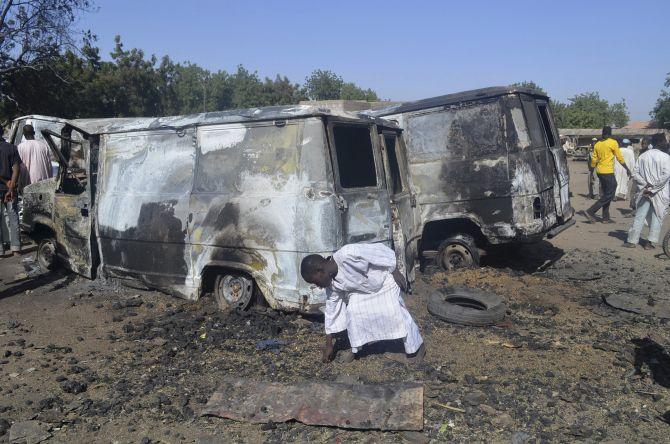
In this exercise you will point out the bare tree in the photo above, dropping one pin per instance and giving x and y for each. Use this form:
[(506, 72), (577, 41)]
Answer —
[(34, 31)]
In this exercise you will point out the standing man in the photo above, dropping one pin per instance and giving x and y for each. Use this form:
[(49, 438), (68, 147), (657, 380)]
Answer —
[(651, 174), (592, 179), (604, 153), (10, 163), (622, 179), (35, 156)]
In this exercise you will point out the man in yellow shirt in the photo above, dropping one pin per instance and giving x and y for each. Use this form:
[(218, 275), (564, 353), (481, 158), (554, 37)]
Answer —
[(605, 153)]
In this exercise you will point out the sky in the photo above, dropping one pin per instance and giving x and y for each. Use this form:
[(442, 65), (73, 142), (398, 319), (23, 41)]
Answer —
[(407, 50)]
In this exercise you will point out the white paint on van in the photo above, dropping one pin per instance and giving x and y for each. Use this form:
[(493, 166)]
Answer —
[(490, 163), (224, 139)]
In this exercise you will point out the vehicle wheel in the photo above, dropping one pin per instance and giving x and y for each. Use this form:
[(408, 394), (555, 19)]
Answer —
[(46, 254), (666, 244), (458, 251), (233, 291), (461, 305)]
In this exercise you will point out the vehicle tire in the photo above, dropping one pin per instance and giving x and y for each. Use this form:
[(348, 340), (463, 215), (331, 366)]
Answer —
[(46, 254), (666, 244), (233, 291), (466, 306), (457, 251)]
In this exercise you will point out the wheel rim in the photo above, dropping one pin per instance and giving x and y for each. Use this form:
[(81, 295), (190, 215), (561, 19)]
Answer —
[(456, 256), (235, 291), (47, 253)]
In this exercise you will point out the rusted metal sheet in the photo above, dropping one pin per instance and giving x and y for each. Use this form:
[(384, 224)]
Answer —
[(396, 406)]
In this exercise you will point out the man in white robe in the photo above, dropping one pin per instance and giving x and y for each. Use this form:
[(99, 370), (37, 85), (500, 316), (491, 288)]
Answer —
[(363, 297), (651, 174), (620, 173)]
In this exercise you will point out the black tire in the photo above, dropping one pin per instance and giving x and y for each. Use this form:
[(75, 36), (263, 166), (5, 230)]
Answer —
[(233, 291), (461, 305), (46, 254), (666, 244), (457, 251)]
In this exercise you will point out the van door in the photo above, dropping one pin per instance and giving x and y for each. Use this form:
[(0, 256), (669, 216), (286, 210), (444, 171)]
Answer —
[(403, 201), (73, 199), (560, 161), (362, 196), (143, 206)]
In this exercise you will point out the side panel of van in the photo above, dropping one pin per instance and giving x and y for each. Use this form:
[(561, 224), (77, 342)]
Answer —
[(143, 207), (458, 162), (262, 200)]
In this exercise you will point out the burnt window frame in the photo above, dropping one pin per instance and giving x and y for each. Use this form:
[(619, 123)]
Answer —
[(399, 157), (379, 167), (530, 99), (550, 120)]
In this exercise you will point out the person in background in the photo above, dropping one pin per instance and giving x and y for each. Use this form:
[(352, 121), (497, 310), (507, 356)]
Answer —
[(645, 145), (36, 158), (652, 174), (622, 179), (10, 163), (592, 177), (605, 151), (363, 297)]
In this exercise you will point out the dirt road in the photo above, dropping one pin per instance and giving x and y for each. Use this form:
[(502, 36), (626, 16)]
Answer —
[(93, 362)]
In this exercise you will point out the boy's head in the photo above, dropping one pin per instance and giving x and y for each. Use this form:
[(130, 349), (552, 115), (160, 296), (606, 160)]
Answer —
[(314, 270)]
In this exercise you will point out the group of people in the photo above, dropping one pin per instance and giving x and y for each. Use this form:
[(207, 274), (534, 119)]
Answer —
[(651, 179), (28, 163)]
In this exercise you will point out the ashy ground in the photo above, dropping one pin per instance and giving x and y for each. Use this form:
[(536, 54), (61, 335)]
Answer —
[(94, 362)]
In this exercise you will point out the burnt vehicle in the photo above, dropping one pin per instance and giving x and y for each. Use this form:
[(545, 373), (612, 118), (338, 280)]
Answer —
[(488, 169), (228, 202)]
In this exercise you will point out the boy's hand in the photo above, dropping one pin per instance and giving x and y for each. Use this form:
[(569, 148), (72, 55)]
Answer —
[(328, 349), (400, 280)]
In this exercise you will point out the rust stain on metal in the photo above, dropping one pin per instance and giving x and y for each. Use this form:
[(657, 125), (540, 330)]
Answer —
[(396, 406)]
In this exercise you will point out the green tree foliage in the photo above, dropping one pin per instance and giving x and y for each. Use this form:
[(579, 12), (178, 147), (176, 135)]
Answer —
[(80, 84), (529, 84), (323, 85), (589, 110), (326, 85), (350, 91), (586, 110), (661, 111)]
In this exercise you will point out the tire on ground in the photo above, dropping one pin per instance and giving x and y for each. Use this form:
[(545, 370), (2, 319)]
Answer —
[(466, 306), (458, 251), (666, 244)]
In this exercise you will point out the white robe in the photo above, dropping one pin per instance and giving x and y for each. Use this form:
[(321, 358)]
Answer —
[(365, 300), (653, 168), (620, 172)]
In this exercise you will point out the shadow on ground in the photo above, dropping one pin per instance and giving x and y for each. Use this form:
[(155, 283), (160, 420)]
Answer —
[(32, 283), (649, 352), (528, 258)]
